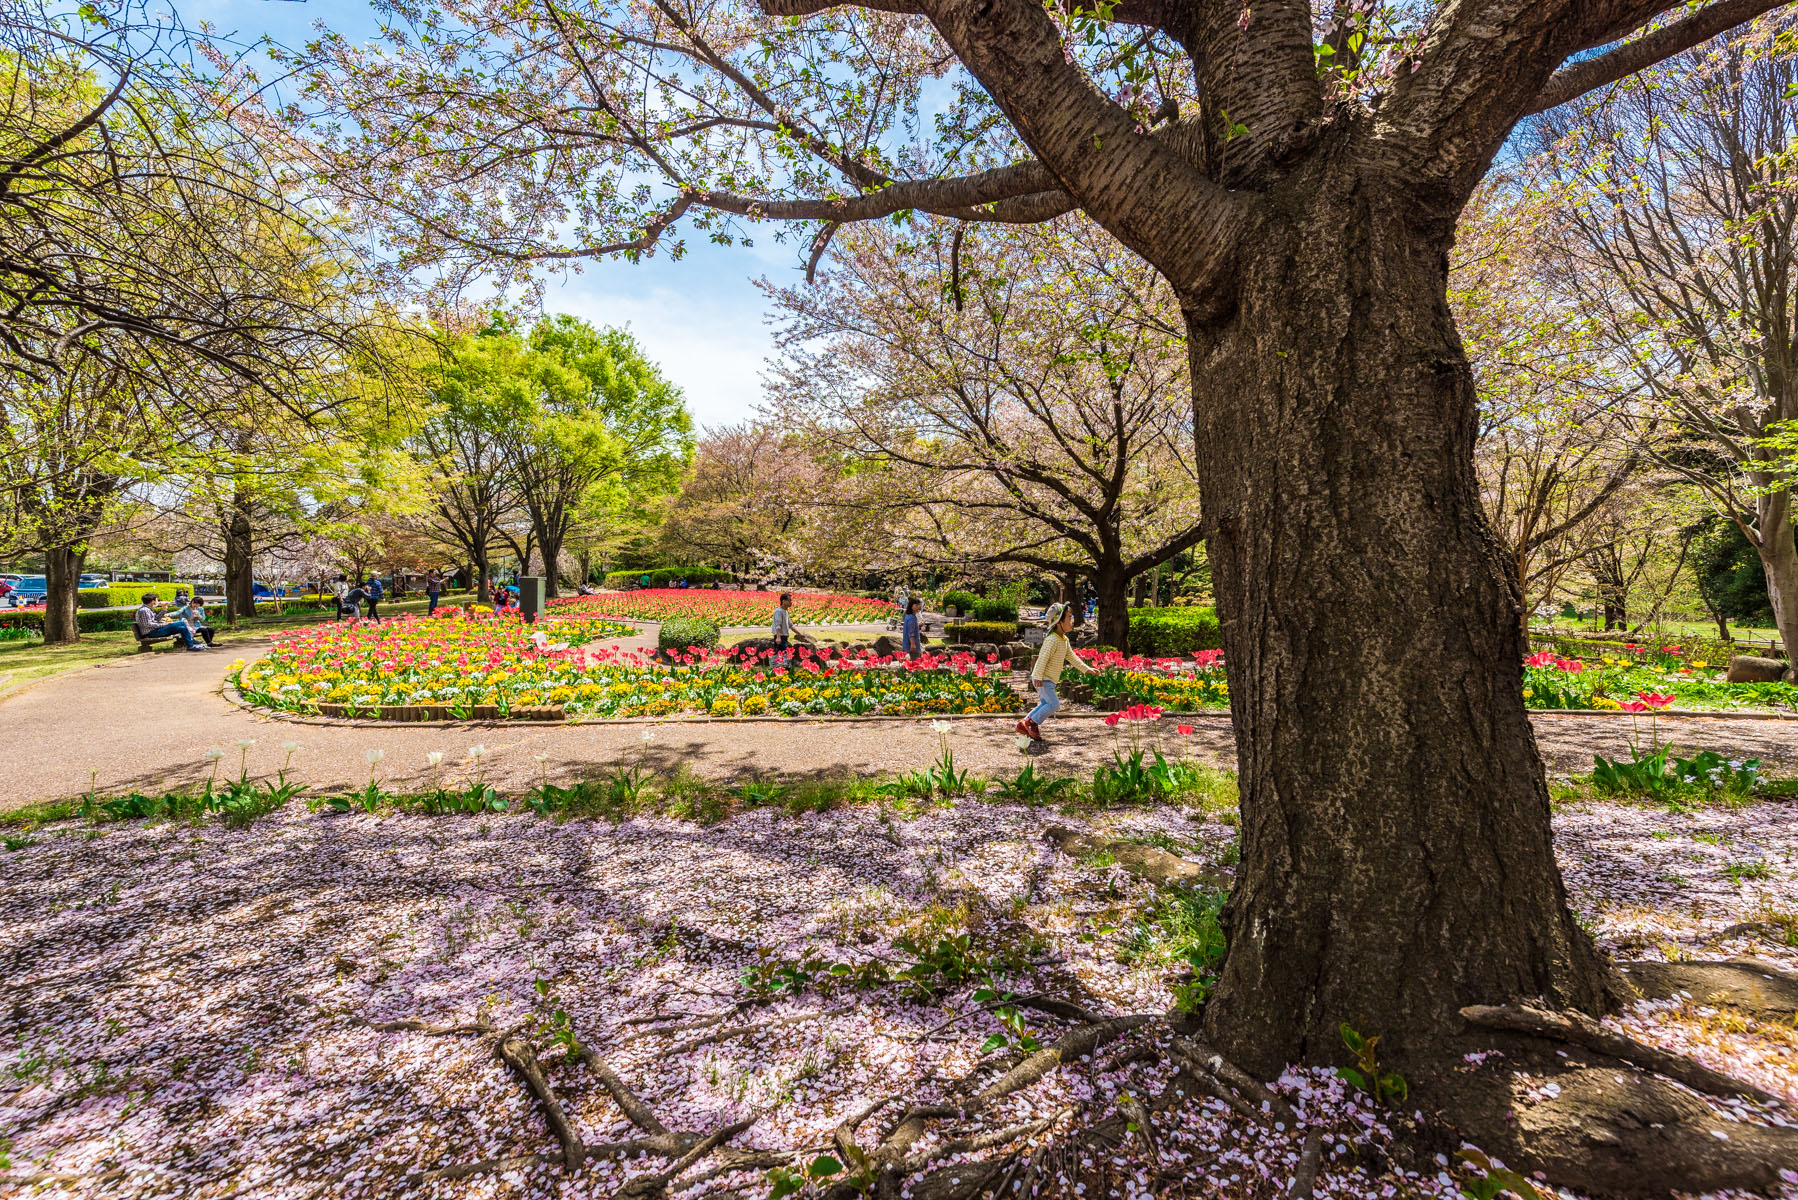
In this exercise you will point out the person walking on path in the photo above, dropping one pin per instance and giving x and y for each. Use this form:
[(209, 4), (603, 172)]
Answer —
[(374, 591), (911, 639), (1056, 654), (340, 587), (150, 625), (433, 589), (783, 624)]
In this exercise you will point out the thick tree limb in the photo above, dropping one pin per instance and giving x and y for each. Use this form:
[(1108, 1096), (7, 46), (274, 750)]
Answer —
[(1576, 79), (1577, 1029), (736, 1031)]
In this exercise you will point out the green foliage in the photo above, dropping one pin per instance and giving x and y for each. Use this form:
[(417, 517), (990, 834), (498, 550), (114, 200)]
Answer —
[(1171, 632), (1388, 1088), (996, 612), (1494, 1181), (1730, 575), (666, 577), (964, 603), (1663, 777), (1030, 788), (1183, 927), (131, 594), (237, 804), (683, 633), (969, 632), (85, 622)]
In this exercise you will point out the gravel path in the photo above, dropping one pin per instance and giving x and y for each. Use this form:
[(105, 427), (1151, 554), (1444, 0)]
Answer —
[(145, 722)]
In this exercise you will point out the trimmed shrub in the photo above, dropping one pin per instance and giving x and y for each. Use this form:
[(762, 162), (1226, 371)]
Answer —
[(682, 633), (963, 602), (969, 632), (117, 594), (1169, 632), (995, 610), (85, 622), (666, 577)]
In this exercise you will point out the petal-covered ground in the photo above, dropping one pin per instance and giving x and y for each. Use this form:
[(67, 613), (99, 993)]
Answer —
[(192, 1010)]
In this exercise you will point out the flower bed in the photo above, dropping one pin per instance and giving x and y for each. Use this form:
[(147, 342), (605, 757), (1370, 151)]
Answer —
[(1616, 682), (482, 667), (1612, 683), (724, 608), (1181, 684)]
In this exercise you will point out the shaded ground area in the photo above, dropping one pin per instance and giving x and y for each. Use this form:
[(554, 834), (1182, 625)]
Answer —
[(209, 1012), (145, 722)]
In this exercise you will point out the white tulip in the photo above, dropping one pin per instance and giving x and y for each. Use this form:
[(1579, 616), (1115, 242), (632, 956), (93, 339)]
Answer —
[(290, 747), (214, 754), (434, 757), (245, 743), (942, 726), (542, 758), (375, 756), (649, 735), (477, 752)]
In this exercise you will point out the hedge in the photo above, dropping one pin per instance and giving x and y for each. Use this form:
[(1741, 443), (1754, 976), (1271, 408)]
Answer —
[(85, 622), (1169, 632), (969, 632), (118, 594), (995, 610), (963, 602), (663, 577), (682, 633)]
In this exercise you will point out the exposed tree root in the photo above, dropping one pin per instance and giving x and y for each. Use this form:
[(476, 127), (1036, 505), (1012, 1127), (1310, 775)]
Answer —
[(1580, 1030), (655, 1185), (1608, 1129), (1214, 1070), (1759, 989), (1304, 1180), (516, 1053), (1160, 867)]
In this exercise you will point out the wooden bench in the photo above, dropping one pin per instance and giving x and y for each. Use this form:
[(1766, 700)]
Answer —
[(149, 643)]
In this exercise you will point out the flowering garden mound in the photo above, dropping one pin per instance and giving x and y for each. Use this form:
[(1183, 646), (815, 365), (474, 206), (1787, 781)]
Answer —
[(724, 608), (497, 667)]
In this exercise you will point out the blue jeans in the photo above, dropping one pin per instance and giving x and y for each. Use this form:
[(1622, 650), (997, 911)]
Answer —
[(178, 628), (1045, 691)]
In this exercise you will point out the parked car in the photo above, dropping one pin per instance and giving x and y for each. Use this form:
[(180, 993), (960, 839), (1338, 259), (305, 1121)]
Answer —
[(94, 581), (30, 589)]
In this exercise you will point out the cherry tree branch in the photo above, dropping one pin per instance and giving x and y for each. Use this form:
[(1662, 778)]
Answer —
[(1576, 79)]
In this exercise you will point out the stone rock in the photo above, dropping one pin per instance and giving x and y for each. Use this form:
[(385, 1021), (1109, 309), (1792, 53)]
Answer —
[(887, 644), (1160, 867), (1745, 668), (1085, 639)]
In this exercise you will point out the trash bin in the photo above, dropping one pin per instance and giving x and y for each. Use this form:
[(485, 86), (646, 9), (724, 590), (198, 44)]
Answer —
[(530, 596)]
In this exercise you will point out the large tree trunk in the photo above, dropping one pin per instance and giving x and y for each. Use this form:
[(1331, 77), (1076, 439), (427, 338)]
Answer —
[(1397, 859), (1779, 558), (240, 586), (1113, 588), (62, 580), (552, 553)]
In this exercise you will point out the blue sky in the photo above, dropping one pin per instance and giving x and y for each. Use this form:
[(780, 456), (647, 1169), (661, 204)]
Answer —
[(701, 318)]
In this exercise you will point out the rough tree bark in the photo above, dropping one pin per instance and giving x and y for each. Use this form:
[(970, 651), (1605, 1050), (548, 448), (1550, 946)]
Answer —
[(240, 587), (1397, 859), (62, 580), (1778, 550), (1112, 585)]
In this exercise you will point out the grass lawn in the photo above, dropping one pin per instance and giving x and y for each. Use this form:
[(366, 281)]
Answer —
[(1689, 629), (25, 661)]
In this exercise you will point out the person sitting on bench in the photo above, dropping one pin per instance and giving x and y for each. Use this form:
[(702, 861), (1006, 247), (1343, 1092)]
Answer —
[(195, 616), (150, 627)]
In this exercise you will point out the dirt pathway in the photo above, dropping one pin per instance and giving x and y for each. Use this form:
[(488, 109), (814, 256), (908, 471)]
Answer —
[(146, 722)]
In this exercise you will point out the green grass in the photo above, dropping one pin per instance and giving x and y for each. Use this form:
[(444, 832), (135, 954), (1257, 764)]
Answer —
[(23, 662)]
